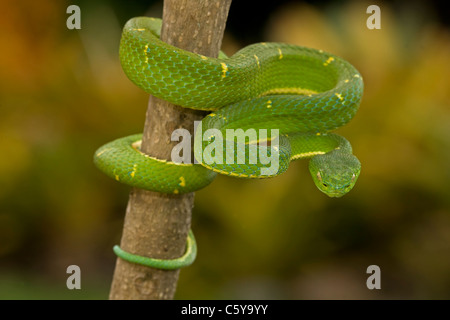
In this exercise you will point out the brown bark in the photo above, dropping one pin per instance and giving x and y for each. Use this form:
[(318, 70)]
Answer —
[(156, 225)]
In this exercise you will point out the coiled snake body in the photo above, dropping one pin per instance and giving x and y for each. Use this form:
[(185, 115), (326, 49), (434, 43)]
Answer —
[(301, 92)]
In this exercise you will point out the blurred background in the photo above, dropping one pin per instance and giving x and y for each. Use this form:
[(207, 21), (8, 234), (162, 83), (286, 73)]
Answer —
[(63, 94)]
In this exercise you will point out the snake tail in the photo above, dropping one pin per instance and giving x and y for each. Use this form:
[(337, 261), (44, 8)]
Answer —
[(165, 264)]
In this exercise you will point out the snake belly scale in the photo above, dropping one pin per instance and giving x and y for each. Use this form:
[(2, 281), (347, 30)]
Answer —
[(302, 92)]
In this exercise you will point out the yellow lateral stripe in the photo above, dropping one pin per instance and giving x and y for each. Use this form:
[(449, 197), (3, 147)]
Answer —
[(232, 174), (281, 53), (103, 151), (289, 91), (145, 52), (134, 170), (339, 96), (224, 69), (137, 145), (330, 59), (257, 60), (306, 155)]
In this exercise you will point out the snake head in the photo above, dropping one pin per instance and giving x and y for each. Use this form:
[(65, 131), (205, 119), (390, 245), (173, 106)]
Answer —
[(335, 173)]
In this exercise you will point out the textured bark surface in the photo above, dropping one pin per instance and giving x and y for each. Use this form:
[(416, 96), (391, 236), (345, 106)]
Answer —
[(156, 225)]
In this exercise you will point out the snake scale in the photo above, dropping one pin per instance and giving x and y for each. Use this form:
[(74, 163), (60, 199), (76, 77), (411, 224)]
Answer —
[(300, 92)]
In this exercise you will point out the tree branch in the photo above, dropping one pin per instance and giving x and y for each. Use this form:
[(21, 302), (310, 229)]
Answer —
[(156, 225)]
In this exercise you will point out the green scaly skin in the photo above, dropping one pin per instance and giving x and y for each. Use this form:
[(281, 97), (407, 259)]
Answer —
[(302, 92)]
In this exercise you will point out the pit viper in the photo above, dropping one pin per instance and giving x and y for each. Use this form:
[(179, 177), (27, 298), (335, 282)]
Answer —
[(291, 97)]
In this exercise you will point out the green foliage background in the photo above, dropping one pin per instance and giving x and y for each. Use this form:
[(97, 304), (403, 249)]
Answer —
[(63, 94)]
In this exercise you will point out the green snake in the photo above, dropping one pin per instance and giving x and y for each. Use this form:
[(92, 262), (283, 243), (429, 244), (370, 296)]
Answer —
[(297, 94)]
